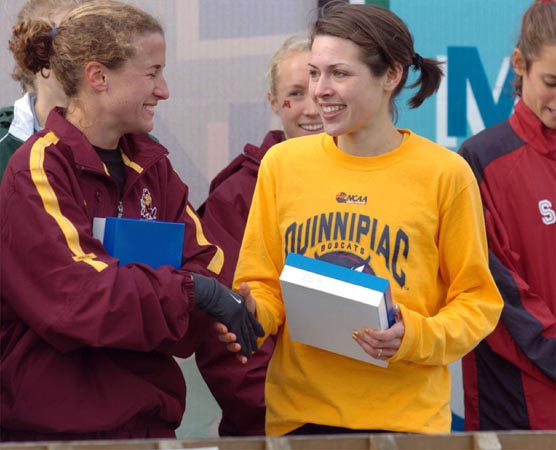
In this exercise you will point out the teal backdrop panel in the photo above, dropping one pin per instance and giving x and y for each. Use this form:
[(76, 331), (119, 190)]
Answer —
[(475, 38)]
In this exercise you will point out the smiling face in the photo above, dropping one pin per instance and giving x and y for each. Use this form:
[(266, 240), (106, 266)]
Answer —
[(293, 104), (135, 88), (538, 89), (351, 99)]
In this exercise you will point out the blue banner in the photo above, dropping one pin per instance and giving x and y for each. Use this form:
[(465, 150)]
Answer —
[(475, 38)]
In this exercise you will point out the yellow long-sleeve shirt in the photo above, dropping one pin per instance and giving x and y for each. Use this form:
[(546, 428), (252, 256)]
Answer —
[(412, 215)]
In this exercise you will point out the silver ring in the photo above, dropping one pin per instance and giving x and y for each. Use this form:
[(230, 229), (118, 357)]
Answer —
[(379, 353)]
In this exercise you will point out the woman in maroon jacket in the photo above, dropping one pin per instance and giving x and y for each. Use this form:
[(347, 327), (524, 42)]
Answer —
[(239, 389), (86, 344), (510, 377)]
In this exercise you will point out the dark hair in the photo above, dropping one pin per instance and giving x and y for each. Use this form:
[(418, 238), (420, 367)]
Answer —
[(383, 40), (538, 28), (102, 31)]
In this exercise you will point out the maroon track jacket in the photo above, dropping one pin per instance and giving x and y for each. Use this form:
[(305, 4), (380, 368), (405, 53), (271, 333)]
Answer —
[(86, 345), (509, 379)]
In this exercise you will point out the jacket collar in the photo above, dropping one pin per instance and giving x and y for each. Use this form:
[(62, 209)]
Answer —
[(256, 153), (23, 123), (530, 128), (140, 149)]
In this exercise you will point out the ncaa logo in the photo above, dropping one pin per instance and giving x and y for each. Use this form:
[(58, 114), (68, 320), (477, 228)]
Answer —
[(353, 199)]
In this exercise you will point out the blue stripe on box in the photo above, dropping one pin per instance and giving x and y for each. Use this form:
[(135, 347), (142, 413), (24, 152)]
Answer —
[(337, 272)]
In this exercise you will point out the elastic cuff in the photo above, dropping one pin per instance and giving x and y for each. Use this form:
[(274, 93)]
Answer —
[(188, 287)]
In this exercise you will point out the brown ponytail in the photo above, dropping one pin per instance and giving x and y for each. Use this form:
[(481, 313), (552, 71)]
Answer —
[(50, 10), (384, 41), (31, 44)]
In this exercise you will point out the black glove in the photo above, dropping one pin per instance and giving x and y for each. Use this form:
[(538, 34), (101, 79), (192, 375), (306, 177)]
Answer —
[(229, 308)]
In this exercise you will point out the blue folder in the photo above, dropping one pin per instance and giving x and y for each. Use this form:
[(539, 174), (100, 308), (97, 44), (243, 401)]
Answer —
[(150, 242)]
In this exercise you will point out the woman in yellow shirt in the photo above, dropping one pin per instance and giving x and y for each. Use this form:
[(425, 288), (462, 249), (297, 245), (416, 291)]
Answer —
[(384, 200)]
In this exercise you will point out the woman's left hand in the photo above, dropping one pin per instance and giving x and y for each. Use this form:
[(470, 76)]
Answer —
[(382, 344)]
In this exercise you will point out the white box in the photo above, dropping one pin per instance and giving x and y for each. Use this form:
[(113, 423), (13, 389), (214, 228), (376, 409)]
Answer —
[(325, 303)]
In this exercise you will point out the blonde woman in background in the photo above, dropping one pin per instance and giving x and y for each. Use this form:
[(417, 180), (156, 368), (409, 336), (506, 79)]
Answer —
[(238, 389)]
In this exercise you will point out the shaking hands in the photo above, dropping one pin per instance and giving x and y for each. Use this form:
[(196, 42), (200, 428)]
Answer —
[(228, 307)]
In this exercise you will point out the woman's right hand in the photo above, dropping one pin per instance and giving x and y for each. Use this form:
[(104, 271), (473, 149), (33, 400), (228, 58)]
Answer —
[(230, 309), (230, 339)]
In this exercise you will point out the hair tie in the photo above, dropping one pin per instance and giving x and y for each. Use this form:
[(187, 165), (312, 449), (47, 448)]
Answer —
[(53, 32), (417, 61)]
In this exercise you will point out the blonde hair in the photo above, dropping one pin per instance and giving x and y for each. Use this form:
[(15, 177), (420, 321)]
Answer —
[(103, 31), (37, 9), (294, 44)]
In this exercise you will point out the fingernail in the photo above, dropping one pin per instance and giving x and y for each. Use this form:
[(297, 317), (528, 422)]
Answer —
[(354, 335), (366, 330)]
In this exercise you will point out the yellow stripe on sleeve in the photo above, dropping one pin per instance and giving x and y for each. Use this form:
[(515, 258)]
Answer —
[(51, 205), (217, 260)]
